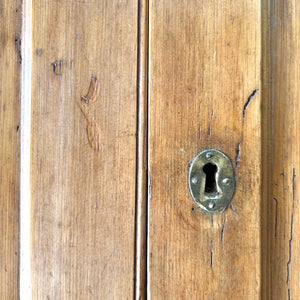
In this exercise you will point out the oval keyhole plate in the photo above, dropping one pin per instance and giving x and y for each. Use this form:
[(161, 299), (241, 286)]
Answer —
[(212, 180)]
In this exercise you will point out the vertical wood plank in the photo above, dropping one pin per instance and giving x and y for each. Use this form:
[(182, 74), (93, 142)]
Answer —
[(142, 153), (204, 91), (83, 199), (282, 256), (10, 61)]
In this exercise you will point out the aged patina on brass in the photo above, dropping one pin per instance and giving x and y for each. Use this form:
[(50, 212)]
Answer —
[(212, 180)]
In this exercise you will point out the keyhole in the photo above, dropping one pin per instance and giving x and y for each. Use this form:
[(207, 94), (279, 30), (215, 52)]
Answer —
[(210, 171)]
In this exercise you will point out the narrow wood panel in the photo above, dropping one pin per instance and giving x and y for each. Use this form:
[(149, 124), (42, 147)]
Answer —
[(283, 219), (10, 63), (83, 150), (204, 91), (142, 153)]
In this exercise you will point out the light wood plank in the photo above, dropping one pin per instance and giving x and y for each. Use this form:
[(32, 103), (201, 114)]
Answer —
[(83, 198), (205, 63), (282, 230), (10, 62)]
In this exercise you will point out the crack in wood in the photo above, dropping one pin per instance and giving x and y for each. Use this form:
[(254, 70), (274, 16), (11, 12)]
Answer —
[(57, 65), (234, 210), (291, 232), (199, 132), (212, 258), (93, 131), (238, 155), (290, 250), (294, 176), (275, 222), (253, 94), (223, 228)]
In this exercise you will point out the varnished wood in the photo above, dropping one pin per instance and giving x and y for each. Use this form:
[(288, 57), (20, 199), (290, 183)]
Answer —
[(281, 262), (83, 197), (204, 91), (10, 53)]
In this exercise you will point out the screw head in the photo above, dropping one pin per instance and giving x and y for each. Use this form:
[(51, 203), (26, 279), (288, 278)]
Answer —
[(226, 181), (209, 155), (194, 180)]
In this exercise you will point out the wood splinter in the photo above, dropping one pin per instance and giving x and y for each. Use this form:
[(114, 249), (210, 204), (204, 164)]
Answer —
[(93, 92), (93, 132)]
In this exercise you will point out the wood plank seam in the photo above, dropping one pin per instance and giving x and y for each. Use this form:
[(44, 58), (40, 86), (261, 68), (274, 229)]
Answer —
[(25, 232), (142, 153)]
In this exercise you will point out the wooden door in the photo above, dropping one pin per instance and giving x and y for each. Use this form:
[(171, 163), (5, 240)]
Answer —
[(104, 105)]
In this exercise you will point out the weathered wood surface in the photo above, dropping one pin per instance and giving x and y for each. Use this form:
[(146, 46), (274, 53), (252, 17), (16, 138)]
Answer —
[(204, 91), (281, 233), (83, 192), (10, 62), (208, 80)]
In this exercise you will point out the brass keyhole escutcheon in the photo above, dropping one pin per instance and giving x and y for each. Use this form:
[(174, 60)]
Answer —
[(212, 180)]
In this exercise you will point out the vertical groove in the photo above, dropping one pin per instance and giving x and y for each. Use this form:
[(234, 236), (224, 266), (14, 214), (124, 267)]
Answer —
[(25, 266), (267, 141), (148, 296), (142, 153)]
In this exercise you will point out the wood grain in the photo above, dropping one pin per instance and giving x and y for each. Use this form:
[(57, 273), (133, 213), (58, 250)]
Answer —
[(281, 234), (83, 201), (10, 54), (204, 65)]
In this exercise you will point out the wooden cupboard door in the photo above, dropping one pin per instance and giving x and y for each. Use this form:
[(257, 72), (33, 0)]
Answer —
[(107, 103), (224, 75)]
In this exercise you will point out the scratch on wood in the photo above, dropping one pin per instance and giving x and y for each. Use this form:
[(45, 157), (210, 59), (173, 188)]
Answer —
[(93, 92), (223, 229), (199, 132), (209, 129), (212, 254), (149, 187), (57, 65), (294, 176), (253, 94), (234, 210), (93, 132), (276, 209), (212, 114), (289, 294), (238, 155), (292, 227)]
